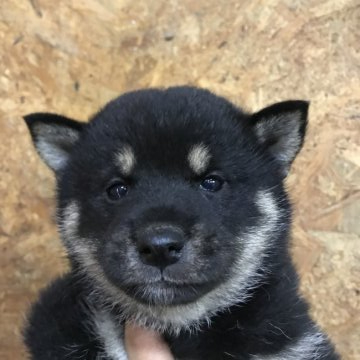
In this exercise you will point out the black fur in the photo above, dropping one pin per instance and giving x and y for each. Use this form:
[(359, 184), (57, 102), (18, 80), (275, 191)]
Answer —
[(258, 314)]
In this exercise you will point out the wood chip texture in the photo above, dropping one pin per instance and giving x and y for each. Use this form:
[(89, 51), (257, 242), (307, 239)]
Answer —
[(71, 57)]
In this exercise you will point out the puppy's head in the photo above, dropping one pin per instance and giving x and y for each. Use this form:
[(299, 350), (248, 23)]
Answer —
[(171, 201)]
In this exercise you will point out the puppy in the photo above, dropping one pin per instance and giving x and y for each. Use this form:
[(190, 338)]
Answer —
[(173, 212)]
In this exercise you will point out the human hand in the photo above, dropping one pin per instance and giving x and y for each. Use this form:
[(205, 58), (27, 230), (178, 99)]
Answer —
[(144, 344)]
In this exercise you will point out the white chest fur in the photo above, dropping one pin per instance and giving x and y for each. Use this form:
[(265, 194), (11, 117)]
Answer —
[(110, 335)]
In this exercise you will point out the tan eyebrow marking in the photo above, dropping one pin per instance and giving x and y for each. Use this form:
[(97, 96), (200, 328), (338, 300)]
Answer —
[(125, 158), (199, 158)]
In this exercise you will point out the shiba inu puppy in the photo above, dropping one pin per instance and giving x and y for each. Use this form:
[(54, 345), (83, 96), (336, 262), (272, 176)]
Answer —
[(172, 209)]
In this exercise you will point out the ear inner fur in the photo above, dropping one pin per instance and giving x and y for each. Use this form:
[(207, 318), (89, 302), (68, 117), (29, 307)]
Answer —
[(280, 129), (53, 136)]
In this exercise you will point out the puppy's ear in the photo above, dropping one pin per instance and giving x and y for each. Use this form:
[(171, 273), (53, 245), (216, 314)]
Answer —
[(53, 136), (281, 128)]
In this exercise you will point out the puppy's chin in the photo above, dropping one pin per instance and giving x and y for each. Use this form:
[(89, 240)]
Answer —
[(163, 293)]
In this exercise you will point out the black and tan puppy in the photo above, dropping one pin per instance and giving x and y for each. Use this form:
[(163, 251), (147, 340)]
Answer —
[(172, 209)]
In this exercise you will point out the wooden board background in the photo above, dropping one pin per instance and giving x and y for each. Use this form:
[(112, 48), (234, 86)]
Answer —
[(72, 56)]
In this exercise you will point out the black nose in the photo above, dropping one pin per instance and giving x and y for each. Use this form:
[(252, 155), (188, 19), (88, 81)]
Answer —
[(160, 246)]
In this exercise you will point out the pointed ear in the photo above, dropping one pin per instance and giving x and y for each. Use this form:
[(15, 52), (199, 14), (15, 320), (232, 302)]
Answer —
[(281, 128), (53, 136)]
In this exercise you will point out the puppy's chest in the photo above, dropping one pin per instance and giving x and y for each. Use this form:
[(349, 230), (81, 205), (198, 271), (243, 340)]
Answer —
[(208, 344), (183, 347), (111, 337)]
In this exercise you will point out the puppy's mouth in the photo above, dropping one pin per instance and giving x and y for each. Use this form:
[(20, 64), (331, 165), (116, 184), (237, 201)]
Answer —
[(168, 293)]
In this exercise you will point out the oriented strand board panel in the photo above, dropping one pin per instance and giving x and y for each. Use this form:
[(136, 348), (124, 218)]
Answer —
[(72, 56)]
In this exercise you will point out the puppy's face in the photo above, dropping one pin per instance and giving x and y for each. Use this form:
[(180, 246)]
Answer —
[(173, 199)]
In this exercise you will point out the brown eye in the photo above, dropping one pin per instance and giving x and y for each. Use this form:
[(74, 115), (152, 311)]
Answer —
[(212, 183), (117, 191)]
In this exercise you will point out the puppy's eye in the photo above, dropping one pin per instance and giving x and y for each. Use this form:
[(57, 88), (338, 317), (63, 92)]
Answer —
[(117, 191), (212, 183)]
